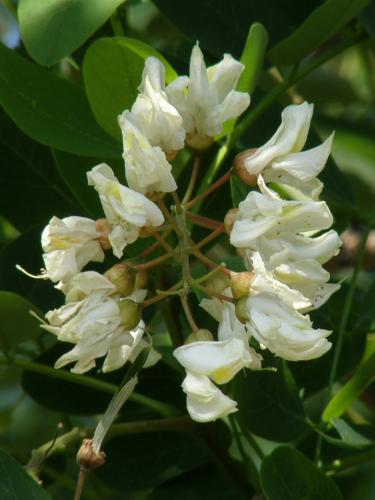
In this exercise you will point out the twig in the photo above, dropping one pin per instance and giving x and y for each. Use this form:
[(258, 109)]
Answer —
[(212, 188)]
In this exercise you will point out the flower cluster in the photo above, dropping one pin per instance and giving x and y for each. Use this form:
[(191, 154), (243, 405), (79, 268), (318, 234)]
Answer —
[(102, 314), (277, 230)]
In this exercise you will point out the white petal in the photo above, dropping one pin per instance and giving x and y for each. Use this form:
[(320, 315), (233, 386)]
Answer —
[(289, 137), (205, 401)]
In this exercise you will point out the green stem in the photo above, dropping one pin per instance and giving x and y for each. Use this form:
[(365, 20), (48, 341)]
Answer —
[(346, 463), (342, 329), (84, 380), (183, 424)]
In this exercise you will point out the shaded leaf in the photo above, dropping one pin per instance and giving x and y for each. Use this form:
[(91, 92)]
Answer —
[(50, 110), (321, 25), (269, 404), (16, 323), (287, 475), (15, 483), (28, 178)]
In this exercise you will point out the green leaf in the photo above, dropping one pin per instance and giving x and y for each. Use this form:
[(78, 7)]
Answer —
[(203, 484), (73, 170), (29, 178), (252, 57), (287, 475), (50, 110), (15, 483), (221, 26), (52, 30), (362, 377), (321, 25), (350, 436), (150, 459), (16, 323), (112, 71), (269, 404)]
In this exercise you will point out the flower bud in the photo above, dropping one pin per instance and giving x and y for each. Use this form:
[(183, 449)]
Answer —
[(198, 142), (229, 219), (241, 310), (141, 279), (130, 313), (123, 277), (240, 284), (241, 171), (87, 459), (198, 336), (104, 228), (217, 283)]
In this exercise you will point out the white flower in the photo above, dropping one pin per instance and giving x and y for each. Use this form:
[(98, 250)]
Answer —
[(265, 214), (207, 98), (69, 244), (146, 166), (284, 331), (126, 210), (82, 284), (219, 360), (206, 402), (152, 114), (281, 159), (298, 247), (266, 281), (290, 137)]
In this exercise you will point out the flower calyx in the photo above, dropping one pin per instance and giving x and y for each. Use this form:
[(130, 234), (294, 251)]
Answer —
[(87, 458)]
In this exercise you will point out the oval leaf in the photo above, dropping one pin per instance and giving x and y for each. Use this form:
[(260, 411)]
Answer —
[(41, 23), (50, 110), (321, 25), (17, 324), (16, 483), (287, 475), (269, 404), (112, 71)]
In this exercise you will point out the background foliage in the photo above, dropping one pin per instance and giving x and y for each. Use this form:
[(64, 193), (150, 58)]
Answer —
[(67, 68)]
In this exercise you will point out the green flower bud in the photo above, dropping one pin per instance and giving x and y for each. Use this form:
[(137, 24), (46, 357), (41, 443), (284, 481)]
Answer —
[(130, 313), (241, 283), (123, 277), (198, 336), (217, 283), (141, 279), (241, 310)]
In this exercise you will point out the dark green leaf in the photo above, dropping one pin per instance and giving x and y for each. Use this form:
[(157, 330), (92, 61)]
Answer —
[(50, 110), (269, 404), (287, 475), (16, 323), (112, 71), (203, 484), (138, 462), (321, 25), (73, 169), (349, 435), (15, 483), (221, 26), (28, 178), (367, 18), (52, 30)]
